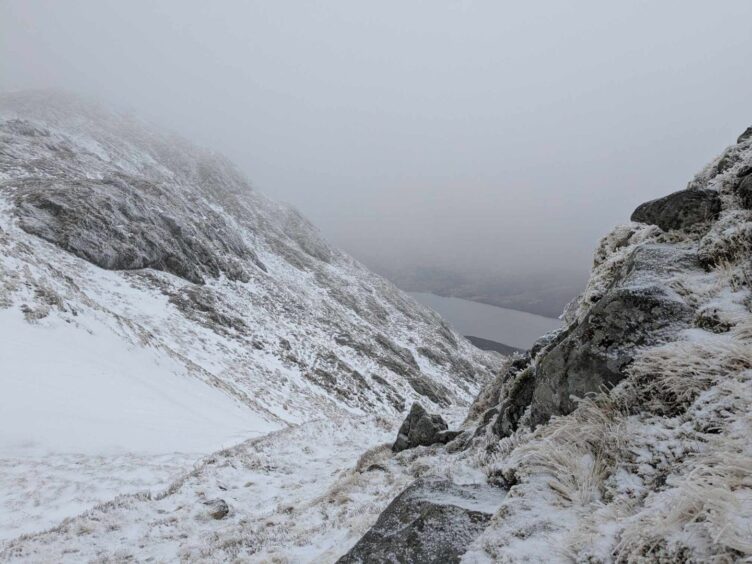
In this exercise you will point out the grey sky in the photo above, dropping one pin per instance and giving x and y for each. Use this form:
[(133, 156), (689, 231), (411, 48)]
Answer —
[(485, 136)]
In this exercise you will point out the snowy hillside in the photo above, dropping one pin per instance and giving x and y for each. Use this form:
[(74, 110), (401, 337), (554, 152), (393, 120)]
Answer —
[(154, 309)]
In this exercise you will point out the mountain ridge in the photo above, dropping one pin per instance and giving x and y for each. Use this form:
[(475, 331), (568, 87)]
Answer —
[(182, 295)]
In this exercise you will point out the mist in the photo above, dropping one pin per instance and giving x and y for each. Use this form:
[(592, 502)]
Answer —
[(478, 137)]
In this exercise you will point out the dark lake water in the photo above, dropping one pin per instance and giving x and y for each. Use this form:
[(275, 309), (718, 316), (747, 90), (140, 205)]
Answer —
[(508, 326)]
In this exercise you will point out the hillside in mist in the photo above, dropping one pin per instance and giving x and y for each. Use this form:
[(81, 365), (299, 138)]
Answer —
[(155, 308), (192, 373)]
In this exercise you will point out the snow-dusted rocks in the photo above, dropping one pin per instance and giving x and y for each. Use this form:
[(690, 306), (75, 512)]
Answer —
[(217, 508), (124, 222), (637, 311), (744, 190), (657, 352), (422, 429), (680, 210), (432, 522), (625, 436)]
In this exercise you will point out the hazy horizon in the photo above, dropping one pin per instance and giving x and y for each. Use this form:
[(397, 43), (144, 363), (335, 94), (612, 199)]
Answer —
[(469, 136)]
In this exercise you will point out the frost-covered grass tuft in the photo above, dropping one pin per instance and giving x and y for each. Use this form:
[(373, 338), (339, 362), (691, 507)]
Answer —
[(711, 504), (668, 378), (575, 452)]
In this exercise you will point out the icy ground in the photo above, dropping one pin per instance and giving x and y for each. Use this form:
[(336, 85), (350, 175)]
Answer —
[(39, 491), (68, 390), (302, 494), (85, 417)]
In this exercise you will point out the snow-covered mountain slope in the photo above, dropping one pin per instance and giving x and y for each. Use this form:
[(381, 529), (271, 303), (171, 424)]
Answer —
[(153, 304)]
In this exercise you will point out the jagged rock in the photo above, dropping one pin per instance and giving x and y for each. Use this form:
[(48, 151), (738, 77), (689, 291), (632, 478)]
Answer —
[(217, 508), (513, 406), (421, 428), (120, 223), (596, 354), (679, 210), (744, 191), (745, 135), (637, 311), (432, 521)]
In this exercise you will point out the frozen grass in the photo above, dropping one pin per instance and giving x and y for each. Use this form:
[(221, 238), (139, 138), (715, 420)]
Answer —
[(707, 507), (666, 379), (682, 419)]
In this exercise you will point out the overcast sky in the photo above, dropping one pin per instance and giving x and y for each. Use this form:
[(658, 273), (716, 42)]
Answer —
[(484, 136)]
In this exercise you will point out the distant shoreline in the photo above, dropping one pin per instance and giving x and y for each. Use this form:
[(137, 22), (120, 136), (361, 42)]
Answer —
[(489, 345), (505, 326)]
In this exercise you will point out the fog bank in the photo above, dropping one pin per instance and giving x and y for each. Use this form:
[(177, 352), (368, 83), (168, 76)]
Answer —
[(472, 136)]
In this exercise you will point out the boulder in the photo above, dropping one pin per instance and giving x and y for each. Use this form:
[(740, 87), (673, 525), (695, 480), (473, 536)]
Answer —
[(594, 353), (421, 428), (217, 508), (432, 521), (680, 210)]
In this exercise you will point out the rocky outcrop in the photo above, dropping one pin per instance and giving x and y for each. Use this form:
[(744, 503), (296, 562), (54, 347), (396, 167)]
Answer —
[(680, 210), (635, 310), (744, 190), (432, 521), (120, 223), (595, 354), (422, 429)]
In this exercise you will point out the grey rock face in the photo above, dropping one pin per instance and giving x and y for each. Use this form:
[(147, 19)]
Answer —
[(744, 191), (637, 310), (597, 352), (679, 210), (118, 224), (422, 429), (217, 508), (432, 521)]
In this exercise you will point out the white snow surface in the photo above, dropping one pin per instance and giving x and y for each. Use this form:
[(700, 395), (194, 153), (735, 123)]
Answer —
[(67, 389)]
